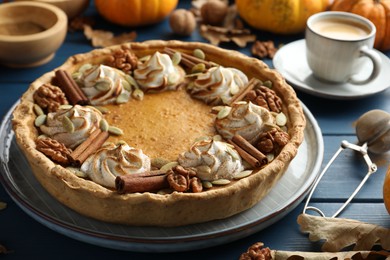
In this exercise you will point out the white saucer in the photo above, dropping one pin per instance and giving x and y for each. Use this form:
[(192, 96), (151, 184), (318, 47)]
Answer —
[(290, 61)]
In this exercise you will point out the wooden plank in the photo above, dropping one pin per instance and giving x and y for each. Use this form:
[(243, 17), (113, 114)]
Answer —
[(347, 171)]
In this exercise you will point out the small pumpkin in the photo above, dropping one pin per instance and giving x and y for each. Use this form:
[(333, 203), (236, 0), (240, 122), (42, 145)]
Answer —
[(279, 16), (377, 11), (135, 12), (386, 190)]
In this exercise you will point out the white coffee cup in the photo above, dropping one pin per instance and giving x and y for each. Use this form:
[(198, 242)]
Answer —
[(338, 44)]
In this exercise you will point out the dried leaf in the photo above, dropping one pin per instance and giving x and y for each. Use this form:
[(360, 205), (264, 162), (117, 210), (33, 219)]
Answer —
[(3, 205), (101, 38), (78, 23), (258, 251), (231, 20), (354, 255), (216, 35), (4, 250), (340, 233)]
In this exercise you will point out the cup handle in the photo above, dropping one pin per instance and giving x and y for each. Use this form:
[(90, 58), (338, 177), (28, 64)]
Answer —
[(376, 62)]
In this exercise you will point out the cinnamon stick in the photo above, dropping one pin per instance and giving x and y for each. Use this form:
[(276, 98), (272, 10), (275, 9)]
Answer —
[(143, 182), (249, 148), (89, 146), (71, 89), (242, 93), (245, 155), (187, 59)]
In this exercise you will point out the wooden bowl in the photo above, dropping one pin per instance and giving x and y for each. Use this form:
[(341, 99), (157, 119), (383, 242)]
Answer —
[(30, 33), (72, 8)]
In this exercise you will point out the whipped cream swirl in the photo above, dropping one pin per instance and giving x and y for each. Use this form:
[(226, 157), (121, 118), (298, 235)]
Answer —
[(113, 160), (71, 126), (103, 85), (218, 85), (213, 160), (158, 73), (246, 119)]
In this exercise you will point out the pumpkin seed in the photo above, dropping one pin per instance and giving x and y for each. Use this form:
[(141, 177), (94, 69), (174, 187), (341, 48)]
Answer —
[(122, 98), (281, 119), (176, 58), (102, 110), (38, 110), (270, 157), (220, 182), (224, 112), (173, 78), (232, 153), (242, 174), (115, 130), (131, 81), (201, 138), (217, 138), (207, 184), (158, 162), (199, 54), (267, 84), (168, 166), (203, 169), (77, 75), (67, 124), (260, 83), (192, 75), (145, 58), (65, 107), (138, 94), (121, 142), (234, 89), (103, 125), (103, 86), (85, 67), (42, 136), (216, 109), (164, 192), (40, 120), (126, 85), (200, 67), (77, 172)]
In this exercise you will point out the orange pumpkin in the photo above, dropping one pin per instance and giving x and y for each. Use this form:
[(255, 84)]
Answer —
[(386, 190), (279, 16), (377, 11), (135, 12)]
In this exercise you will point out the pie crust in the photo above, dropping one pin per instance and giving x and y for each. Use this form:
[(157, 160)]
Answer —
[(151, 209)]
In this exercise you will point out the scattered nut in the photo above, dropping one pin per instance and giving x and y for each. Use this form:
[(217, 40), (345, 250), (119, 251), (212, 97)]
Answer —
[(182, 22), (54, 150), (49, 97), (177, 182), (123, 59), (214, 12), (264, 49)]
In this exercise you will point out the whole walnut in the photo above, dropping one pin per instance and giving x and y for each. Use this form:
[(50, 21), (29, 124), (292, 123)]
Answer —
[(182, 22), (213, 12)]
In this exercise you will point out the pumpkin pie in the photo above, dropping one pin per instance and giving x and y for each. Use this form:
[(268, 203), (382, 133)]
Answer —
[(160, 133)]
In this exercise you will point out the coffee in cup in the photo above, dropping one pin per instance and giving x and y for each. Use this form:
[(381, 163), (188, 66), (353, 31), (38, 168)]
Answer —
[(337, 44)]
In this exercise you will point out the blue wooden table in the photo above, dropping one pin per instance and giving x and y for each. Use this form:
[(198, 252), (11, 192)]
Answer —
[(27, 238)]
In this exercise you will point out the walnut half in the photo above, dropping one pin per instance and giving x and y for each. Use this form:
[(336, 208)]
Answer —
[(53, 149), (49, 97)]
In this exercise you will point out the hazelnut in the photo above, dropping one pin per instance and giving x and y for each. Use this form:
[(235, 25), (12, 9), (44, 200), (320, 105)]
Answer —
[(182, 22), (213, 12)]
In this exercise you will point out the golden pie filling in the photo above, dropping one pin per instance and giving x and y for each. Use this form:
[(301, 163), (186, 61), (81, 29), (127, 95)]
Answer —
[(163, 124), (159, 133)]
